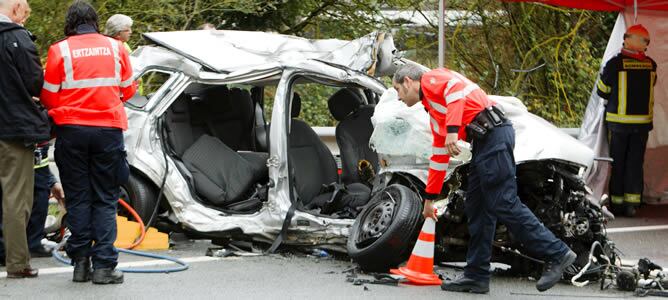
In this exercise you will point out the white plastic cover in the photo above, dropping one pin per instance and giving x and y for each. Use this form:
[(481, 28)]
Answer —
[(593, 132), (403, 139)]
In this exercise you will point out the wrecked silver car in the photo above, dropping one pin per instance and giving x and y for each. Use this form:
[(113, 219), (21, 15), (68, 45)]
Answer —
[(201, 136)]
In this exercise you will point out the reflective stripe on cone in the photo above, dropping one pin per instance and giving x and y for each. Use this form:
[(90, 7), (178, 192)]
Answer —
[(420, 267)]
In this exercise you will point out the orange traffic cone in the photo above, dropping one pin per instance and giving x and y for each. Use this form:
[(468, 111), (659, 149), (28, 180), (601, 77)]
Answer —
[(420, 267)]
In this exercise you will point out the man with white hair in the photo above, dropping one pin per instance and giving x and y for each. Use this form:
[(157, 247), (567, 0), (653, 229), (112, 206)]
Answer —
[(22, 125), (119, 27)]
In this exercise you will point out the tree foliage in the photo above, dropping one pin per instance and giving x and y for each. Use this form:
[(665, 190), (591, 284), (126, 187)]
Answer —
[(492, 42)]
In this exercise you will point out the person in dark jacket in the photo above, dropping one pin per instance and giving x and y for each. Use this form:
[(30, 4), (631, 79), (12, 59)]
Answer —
[(22, 125)]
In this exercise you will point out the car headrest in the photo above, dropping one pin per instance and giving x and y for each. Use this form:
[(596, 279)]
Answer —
[(180, 106), (296, 105), (343, 103)]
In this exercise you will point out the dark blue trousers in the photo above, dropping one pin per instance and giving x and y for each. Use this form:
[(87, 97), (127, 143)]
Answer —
[(491, 197), (40, 207), (92, 166)]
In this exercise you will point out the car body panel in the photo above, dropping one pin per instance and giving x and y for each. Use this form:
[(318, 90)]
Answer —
[(227, 51)]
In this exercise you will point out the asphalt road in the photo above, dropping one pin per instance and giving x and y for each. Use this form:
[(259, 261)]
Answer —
[(301, 277)]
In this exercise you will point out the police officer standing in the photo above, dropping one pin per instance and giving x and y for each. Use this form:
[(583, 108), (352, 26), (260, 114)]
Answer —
[(627, 83), (458, 108), (88, 76)]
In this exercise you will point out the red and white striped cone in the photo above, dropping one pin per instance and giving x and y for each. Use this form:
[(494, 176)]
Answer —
[(420, 267)]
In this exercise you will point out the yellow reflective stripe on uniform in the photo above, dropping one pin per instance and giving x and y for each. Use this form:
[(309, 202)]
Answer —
[(438, 166), (628, 119), (621, 94), (602, 87), (439, 151), (438, 107), (651, 93), (54, 88), (617, 199), (632, 198), (42, 164)]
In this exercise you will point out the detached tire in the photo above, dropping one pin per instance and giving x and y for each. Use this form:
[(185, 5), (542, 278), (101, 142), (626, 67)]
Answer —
[(141, 195), (385, 231)]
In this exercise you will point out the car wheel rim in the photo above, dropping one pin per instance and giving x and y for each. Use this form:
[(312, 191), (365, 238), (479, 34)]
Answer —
[(376, 221)]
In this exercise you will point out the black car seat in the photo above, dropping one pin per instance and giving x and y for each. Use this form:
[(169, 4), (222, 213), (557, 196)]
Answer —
[(312, 162), (181, 132), (352, 133), (313, 165), (229, 116), (221, 175)]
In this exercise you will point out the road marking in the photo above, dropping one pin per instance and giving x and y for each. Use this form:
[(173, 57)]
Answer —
[(637, 228), (135, 264)]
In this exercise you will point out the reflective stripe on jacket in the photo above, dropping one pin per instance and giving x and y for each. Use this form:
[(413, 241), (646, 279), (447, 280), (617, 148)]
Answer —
[(453, 101), (628, 82), (87, 79)]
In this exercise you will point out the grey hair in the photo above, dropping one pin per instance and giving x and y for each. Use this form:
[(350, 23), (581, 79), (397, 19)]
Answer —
[(410, 70), (116, 24)]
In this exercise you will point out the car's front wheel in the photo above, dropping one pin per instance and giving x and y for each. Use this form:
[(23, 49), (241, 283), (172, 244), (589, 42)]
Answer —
[(385, 231), (140, 194)]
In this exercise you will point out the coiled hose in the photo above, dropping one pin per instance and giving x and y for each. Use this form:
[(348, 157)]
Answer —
[(182, 266)]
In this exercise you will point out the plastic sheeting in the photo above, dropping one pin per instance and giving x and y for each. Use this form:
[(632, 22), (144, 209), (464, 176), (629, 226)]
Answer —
[(403, 139), (593, 132)]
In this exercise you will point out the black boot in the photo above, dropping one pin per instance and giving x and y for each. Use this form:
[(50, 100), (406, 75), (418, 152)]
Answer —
[(466, 285), (81, 269), (629, 210), (107, 276), (553, 271)]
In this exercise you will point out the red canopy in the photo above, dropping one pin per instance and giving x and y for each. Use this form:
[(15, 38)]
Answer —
[(605, 5)]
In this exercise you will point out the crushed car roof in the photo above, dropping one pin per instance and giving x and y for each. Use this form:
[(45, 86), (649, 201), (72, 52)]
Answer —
[(226, 51)]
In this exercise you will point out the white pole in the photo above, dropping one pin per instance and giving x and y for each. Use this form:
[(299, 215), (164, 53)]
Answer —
[(441, 33)]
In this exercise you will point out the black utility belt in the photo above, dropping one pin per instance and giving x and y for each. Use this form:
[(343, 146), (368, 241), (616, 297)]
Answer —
[(485, 121)]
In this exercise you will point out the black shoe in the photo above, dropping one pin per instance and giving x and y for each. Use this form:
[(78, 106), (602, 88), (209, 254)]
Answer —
[(40, 252), (466, 285), (553, 271), (629, 210), (2, 261), (81, 269), (107, 276)]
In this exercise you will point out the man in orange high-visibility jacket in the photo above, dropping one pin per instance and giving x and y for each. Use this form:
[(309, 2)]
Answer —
[(88, 77), (458, 108)]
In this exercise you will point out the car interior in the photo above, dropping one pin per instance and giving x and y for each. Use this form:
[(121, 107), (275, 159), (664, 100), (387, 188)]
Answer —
[(217, 135)]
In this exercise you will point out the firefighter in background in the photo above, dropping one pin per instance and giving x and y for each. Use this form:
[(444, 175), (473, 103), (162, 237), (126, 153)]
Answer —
[(627, 83), (460, 109)]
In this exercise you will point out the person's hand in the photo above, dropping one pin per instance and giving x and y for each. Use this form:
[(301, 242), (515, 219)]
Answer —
[(451, 144), (429, 211), (58, 192)]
